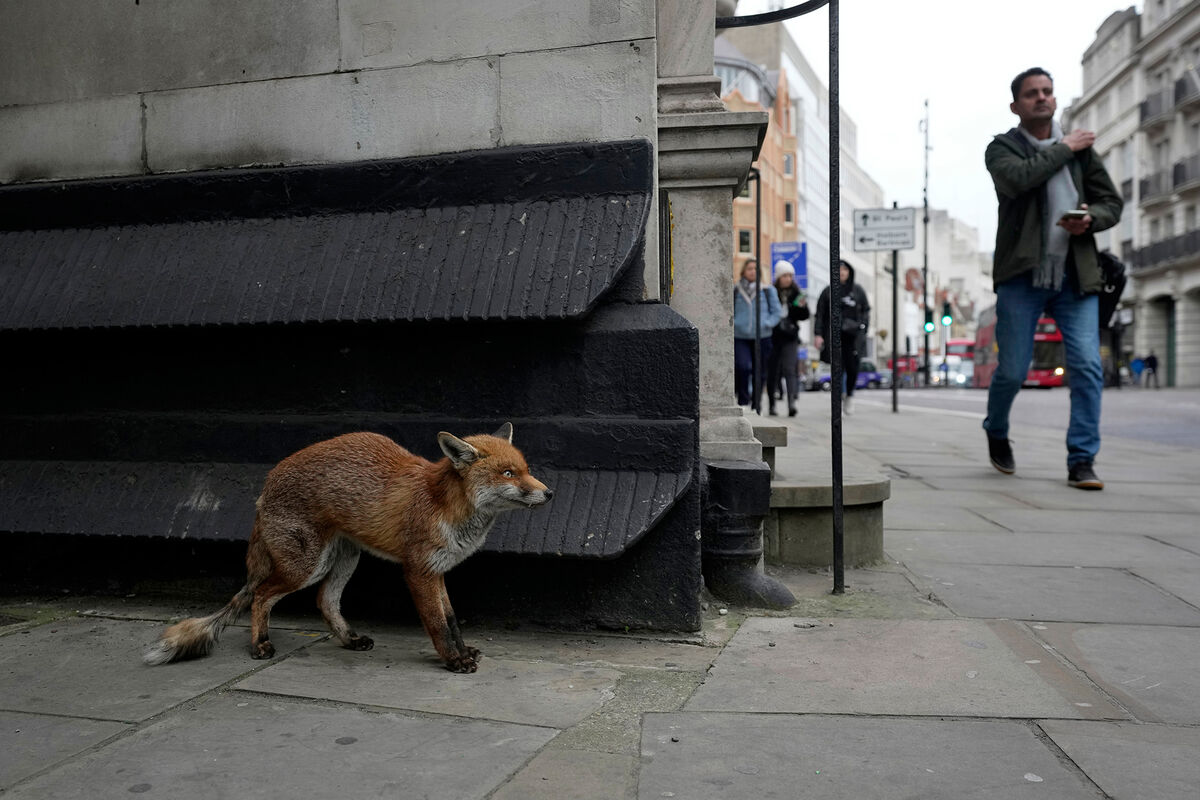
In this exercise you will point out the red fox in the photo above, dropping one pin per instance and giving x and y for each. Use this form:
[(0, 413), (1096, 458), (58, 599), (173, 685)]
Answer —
[(323, 505)]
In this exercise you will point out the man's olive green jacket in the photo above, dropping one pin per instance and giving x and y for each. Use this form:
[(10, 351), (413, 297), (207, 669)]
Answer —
[(1020, 172)]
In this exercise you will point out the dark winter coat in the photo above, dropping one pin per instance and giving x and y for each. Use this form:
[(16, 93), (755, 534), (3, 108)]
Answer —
[(788, 329), (1020, 172), (856, 312)]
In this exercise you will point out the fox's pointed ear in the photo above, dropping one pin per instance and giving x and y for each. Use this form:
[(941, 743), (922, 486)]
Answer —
[(505, 432), (459, 452)]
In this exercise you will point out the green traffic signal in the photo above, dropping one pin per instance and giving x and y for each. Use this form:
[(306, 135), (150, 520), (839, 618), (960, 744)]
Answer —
[(929, 326), (947, 316)]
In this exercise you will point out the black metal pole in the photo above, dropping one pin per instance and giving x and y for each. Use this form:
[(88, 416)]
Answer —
[(835, 304), (925, 266), (895, 323), (756, 373)]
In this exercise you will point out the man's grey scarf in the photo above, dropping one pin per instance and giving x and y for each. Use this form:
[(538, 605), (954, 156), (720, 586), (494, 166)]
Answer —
[(1061, 195)]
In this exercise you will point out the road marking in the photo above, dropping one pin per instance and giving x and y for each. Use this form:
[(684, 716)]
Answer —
[(927, 410)]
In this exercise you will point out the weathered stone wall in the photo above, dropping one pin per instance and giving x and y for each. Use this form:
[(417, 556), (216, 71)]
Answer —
[(92, 88)]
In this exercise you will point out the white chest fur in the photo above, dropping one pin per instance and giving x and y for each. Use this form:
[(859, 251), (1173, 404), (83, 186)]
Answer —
[(460, 541)]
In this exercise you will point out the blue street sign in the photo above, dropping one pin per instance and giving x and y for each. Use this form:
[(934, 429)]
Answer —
[(796, 254)]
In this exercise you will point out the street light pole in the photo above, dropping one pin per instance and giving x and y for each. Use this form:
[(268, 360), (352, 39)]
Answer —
[(925, 222)]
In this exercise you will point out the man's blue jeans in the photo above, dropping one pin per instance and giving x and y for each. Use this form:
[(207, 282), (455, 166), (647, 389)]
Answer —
[(1018, 306)]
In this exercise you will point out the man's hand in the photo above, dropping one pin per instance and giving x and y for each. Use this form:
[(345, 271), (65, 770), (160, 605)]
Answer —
[(818, 342), (1077, 227), (1079, 140)]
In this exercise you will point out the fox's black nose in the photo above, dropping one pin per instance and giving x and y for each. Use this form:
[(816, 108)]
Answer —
[(549, 493)]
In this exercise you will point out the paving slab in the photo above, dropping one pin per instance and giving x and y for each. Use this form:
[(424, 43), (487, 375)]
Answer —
[(920, 499), (591, 649), (1098, 521), (30, 743), (573, 775), (1068, 549), (936, 517), (1131, 761), (1116, 497), (993, 481), (983, 471), (1181, 579), (238, 745), (93, 668), (881, 592), (398, 675), (715, 755), (1151, 670), (1058, 594), (902, 667), (1188, 542)]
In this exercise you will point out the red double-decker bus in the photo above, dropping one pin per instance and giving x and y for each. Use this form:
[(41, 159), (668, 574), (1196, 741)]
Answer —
[(961, 347), (1048, 367)]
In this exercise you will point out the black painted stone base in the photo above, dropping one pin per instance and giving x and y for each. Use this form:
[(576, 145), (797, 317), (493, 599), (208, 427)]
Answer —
[(737, 496)]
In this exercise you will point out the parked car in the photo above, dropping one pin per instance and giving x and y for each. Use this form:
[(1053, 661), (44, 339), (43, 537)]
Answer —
[(869, 377)]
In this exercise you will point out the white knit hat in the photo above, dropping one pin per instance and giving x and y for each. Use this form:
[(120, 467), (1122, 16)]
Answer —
[(784, 268)]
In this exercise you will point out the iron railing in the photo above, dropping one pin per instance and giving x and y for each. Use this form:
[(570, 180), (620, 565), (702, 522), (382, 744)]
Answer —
[(1154, 187), (1185, 245), (1186, 174), (1156, 108)]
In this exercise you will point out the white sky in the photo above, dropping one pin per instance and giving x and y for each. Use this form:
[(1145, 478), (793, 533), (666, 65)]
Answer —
[(961, 55)]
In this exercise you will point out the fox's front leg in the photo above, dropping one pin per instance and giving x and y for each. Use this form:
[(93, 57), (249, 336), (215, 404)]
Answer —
[(452, 623), (427, 591)]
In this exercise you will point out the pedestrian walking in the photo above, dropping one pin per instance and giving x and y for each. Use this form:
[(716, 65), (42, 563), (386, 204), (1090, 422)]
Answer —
[(785, 338), (1053, 194), (748, 294), (856, 318), (1151, 366)]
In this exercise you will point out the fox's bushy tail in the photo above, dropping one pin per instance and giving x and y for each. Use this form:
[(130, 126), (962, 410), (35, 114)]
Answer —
[(195, 637)]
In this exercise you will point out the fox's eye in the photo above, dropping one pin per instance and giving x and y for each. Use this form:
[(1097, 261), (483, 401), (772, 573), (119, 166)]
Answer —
[(508, 473)]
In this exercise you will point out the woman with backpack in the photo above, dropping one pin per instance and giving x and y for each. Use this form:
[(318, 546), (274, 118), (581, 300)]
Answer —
[(785, 338)]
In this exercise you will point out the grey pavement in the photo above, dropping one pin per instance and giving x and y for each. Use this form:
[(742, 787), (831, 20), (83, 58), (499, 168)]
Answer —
[(1022, 640)]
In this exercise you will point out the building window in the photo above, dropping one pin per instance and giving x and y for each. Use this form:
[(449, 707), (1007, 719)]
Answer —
[(789, 215), (744, 241), (1189, 219), (789, 164)]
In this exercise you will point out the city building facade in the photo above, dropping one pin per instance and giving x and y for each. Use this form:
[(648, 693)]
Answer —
[(1141, 95)]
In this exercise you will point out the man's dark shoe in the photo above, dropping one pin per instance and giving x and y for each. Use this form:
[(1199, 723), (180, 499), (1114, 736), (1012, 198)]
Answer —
[(1000, 451), (1082, 476)]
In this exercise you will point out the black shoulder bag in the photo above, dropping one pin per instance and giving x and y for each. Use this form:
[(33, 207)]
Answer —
[(1112, 272)]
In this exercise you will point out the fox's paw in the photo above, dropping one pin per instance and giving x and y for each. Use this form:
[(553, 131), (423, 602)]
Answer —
[(260, 650), (472, 652), (463, 663), (360, 643)]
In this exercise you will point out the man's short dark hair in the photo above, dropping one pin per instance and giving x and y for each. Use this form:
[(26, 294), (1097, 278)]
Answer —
[(1020, 79)]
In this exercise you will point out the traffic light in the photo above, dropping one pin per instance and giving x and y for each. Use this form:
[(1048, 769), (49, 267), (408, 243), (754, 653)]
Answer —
[(928, 320), (947, 316)]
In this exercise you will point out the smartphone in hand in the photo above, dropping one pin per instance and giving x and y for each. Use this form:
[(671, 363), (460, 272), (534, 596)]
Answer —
[(1075, 213)]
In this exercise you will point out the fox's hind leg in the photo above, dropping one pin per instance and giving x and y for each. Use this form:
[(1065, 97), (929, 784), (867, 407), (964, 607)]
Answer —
[(343, 558), (296, 560)]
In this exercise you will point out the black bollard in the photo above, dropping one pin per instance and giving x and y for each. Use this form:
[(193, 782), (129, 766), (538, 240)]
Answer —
[(736, 496)]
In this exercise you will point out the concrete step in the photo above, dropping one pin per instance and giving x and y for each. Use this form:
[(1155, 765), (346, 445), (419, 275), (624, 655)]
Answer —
[(799, 529)]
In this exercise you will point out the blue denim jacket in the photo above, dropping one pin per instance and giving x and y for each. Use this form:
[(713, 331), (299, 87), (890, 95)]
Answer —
[(743, 313)]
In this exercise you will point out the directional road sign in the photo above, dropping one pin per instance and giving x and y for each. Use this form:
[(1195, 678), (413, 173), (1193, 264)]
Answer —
[(884, 228)]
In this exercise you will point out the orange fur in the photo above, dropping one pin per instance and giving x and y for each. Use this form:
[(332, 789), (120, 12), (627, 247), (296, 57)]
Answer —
[(324, 504)]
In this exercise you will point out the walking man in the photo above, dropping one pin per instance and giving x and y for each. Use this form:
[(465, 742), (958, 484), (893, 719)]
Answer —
[(1053, 193)]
